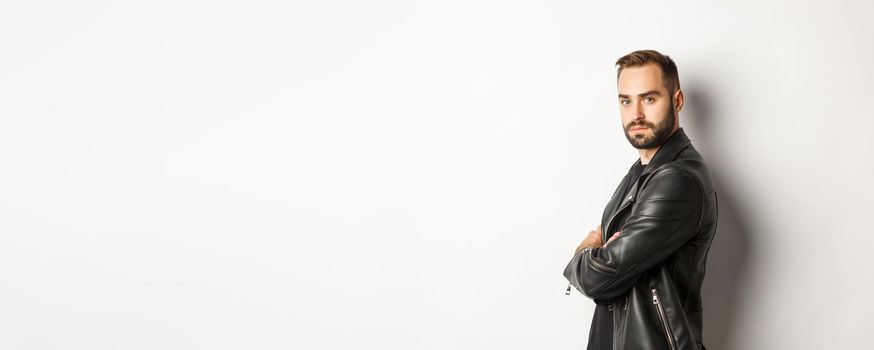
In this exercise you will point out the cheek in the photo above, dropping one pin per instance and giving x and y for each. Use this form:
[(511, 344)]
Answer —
[(656, 111)]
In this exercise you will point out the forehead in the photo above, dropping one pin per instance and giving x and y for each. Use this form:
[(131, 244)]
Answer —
[(635, 80)]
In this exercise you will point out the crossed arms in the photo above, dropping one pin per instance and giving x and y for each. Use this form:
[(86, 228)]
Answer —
[(665, 215)]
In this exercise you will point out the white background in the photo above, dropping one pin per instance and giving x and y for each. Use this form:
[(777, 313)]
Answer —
[(412, 175)]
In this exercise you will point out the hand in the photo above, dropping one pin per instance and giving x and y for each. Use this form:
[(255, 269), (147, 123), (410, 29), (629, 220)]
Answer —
[(614, 236), (592, 240)]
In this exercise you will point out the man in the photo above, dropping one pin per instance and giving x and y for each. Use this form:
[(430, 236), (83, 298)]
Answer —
[(646, 279)]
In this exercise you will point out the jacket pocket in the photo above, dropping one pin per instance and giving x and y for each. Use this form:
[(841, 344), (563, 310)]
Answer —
[(669, 336)]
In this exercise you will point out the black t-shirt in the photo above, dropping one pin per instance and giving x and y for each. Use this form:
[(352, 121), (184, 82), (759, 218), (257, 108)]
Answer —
[(601, 332)]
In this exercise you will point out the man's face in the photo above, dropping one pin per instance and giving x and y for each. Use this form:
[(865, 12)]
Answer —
[(647, 111)]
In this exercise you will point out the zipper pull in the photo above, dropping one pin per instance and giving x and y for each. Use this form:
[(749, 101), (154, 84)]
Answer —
[(610, 307), (655, 297), (568, 292)]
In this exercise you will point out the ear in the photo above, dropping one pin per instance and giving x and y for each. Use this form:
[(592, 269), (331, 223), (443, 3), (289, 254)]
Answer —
[(678, 100)]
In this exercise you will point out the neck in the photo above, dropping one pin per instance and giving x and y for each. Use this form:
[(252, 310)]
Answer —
[(646, 155)]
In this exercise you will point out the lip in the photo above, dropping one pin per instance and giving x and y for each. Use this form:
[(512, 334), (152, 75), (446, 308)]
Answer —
[(639, 128)]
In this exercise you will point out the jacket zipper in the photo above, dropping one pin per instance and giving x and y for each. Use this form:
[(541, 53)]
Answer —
[(663, 317), (598, 266)]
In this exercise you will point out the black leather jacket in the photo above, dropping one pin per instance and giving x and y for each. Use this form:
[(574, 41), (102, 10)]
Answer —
[(651, 274)]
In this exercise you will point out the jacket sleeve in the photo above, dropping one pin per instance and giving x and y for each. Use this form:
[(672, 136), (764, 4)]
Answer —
[(665, 215)]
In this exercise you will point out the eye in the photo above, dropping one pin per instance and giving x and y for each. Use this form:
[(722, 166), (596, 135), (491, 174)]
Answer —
[(649, 99), (624, 101)]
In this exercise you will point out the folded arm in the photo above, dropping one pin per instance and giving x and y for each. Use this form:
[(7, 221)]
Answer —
[(665, 215)]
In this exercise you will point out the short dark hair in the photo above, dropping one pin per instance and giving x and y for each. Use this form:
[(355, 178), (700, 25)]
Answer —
[(670, 77)]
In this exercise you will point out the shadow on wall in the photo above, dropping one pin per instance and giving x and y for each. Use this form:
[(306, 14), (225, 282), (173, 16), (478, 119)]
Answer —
[(731, 253)]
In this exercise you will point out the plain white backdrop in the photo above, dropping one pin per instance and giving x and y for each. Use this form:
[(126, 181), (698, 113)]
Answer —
[(412, 175)]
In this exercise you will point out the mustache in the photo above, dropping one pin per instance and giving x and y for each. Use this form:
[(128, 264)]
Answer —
[(634, 125)]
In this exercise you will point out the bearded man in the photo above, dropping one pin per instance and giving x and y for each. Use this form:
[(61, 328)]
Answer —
[(658, 226)]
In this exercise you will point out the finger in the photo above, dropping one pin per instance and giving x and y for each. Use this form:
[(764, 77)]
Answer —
[(615, 235)]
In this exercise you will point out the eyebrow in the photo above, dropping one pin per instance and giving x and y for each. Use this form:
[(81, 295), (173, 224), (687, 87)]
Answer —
[(650, 92)]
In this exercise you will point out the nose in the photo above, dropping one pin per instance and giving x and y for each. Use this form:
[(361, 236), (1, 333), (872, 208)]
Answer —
[(636, 112)]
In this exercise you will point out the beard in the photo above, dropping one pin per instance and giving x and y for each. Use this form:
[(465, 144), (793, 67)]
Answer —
[(660, 131)]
